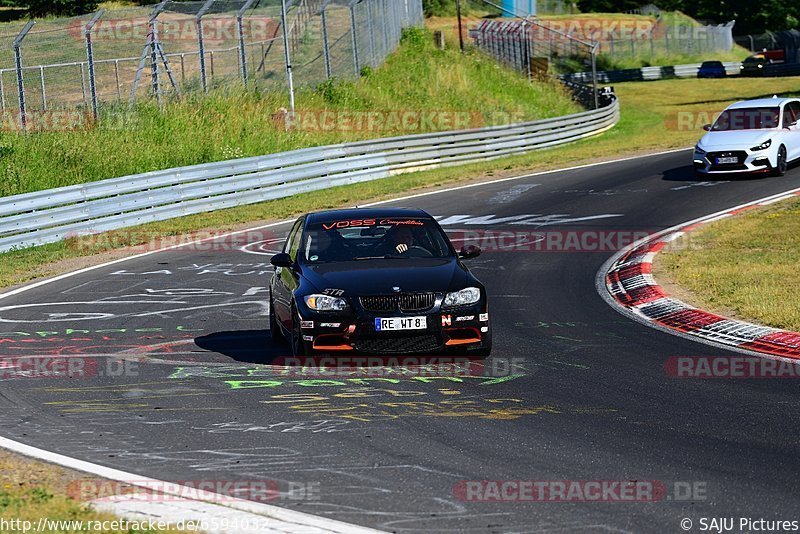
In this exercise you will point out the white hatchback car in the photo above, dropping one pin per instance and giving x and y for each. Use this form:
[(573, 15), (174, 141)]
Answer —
[(751, 136)]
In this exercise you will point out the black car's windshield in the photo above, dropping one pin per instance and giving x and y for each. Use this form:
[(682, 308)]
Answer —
[(363, 239), (747, 119)]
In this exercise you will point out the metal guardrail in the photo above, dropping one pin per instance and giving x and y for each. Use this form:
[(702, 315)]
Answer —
[(48, 216), (646, 73)]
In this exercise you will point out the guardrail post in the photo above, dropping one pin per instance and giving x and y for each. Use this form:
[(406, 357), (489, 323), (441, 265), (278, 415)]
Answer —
[(87, 32), (287, 56), (240, 30), (201, 45), (326, 51), (354, 37), (18, 66)]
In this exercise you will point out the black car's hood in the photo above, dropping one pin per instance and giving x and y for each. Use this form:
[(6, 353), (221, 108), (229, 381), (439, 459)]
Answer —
[(381, 276)]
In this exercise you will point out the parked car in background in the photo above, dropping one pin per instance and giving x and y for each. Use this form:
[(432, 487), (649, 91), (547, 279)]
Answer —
[(711, 69)]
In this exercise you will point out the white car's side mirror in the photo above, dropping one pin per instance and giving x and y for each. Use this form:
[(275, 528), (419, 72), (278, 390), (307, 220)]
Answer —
[(707, 127)]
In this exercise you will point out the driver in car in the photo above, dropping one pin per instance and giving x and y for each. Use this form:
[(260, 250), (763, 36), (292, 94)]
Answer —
[(324, 246), (399, 240)]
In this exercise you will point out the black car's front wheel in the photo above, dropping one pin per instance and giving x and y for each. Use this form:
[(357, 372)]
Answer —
[(297, 343), (275, 333)]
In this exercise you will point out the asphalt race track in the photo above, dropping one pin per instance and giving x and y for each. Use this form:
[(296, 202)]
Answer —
[(587, 398)]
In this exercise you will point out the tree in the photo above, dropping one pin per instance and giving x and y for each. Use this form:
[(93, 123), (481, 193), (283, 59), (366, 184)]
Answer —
[(62, 8)]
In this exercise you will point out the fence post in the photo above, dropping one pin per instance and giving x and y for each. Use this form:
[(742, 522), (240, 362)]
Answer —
[(594, 75), (526, 51), (287, 56), (155, 84), (18, 66), (385, 30), (354, 37), (89, 61), (201, 44), (116, 77), (371, 32), (240, 29), (44, 92), (326, 51), (2, 91)]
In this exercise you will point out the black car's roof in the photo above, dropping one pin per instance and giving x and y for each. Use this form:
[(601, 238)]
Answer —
[(361, 213)]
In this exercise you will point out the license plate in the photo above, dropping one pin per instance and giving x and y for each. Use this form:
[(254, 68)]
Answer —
[(723, 161), (400, 323)]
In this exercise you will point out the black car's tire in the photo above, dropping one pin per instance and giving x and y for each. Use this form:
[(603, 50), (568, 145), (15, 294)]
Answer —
[(486, 350), (780, 168), (296, 341), (275, 332)]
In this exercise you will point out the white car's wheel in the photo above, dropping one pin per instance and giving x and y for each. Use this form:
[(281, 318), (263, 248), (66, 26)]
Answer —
[(781, 163)]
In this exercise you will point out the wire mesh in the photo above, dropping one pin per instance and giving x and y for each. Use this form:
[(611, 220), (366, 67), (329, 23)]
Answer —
[(154, 51)]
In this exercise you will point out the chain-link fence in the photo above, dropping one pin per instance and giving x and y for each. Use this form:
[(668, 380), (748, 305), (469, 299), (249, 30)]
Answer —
[(538, 46), (163, 50)]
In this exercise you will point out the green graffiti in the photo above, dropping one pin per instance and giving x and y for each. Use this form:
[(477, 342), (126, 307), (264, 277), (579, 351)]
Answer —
[(321, 383)]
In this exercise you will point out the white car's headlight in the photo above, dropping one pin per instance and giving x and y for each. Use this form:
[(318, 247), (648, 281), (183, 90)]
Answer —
[(763, 146), (469, 295), (325, 303), (699, 150)]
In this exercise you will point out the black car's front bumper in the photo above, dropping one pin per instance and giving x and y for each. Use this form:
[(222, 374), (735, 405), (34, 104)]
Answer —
[(461, 330)]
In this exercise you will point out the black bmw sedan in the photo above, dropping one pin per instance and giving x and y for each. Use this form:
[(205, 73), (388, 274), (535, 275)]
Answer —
[(376, 281)]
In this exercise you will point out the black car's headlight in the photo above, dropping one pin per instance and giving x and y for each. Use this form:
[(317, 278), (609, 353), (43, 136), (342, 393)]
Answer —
[(763, 146), (325, 303), (699, 150), (469, 295)]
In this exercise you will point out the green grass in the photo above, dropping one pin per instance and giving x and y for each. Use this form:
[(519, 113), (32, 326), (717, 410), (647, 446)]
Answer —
[(745, 265), (30, 489), (236, 123)]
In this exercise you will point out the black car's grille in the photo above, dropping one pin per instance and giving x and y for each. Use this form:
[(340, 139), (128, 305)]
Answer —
[(398, 344), (740, 156), (407, 302)]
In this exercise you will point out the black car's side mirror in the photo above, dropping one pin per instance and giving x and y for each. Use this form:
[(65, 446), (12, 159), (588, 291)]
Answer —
[(469, 251), (282, 260), (707, 127)]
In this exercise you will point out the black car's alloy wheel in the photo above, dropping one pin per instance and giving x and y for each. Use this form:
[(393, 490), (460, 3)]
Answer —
[(298, 345), (275, 332)]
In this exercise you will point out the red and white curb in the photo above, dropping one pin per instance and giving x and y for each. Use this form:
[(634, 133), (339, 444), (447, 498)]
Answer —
[(628, 280)]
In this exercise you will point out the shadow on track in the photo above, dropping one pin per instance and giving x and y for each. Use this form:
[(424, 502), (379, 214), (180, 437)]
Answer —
[(246, 346), (256, 346), (686, 174)]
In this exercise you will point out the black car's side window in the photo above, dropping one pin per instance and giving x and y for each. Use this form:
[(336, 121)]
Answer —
[(292, 237), (293, 243)]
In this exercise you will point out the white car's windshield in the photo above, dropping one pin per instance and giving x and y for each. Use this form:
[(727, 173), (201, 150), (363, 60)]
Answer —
[(747, 119)]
